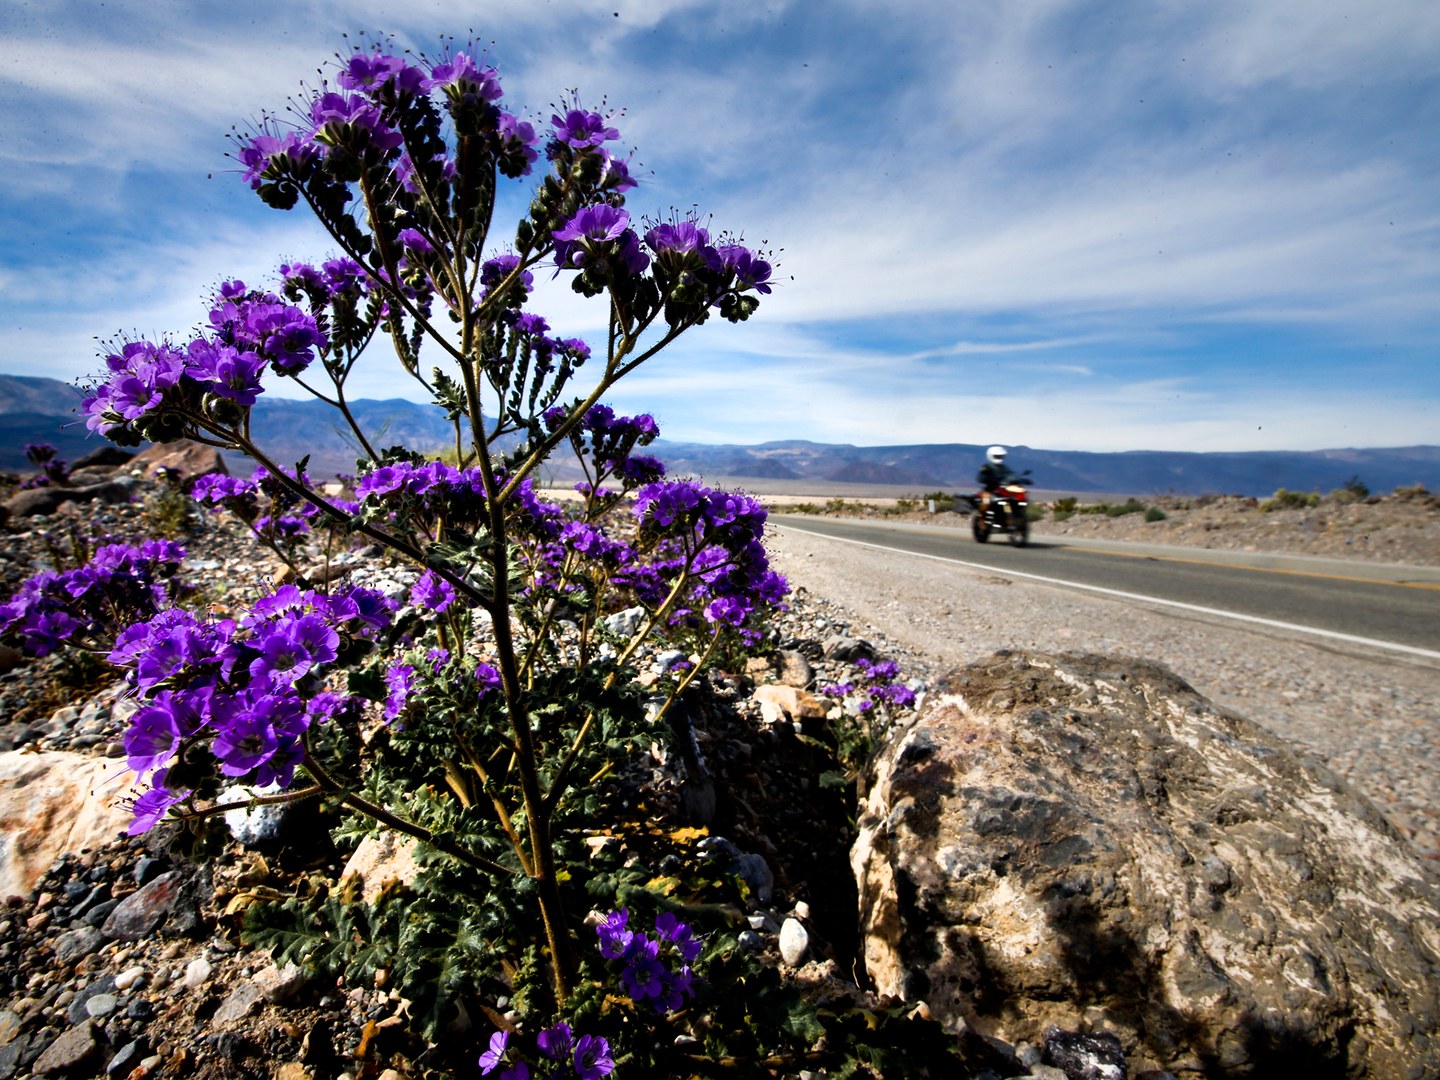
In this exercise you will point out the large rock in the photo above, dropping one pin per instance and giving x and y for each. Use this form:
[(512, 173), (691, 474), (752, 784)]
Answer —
[(1088, 843), (51, 804), (46, 500), (187, 459)]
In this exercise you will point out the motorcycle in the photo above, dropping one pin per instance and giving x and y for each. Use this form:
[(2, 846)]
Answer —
[(1005, 511)]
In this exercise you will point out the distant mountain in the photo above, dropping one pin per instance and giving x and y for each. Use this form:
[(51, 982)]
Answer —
[(291, 429), (821, 468), (36, 410)]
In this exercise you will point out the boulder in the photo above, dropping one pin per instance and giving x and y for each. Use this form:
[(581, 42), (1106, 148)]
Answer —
[(46, 500), (51, 804), (188, 459), (107, 456), (1086, 843)]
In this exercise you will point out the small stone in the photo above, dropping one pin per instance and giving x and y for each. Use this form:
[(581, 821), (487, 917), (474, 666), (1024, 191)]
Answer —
[(101, 1005), (794, 941), (255, 826), (240, 1004), (278, 985), (751, 941), (78, 1009), (140, 1010), (140, 913), (68, 1052), (134, 976), (74, 944), (197, 973), (126, 1059)]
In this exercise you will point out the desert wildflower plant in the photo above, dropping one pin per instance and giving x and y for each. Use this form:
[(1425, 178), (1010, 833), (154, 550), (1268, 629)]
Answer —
[(478, 710)]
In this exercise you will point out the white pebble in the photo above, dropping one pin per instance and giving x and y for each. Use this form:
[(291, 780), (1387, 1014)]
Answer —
[(134, 976), (794, 940)]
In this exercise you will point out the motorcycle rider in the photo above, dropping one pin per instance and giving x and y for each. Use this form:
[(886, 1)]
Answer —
[(992, 475)]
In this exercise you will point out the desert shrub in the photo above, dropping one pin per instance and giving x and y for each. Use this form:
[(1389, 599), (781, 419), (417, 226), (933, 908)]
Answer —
[(169, 511), (1353, 490), (1290, 500), (1109, 509), (1154, 513)]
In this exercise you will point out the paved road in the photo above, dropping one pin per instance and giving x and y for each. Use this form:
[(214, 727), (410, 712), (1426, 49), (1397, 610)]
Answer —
[(1364, 603)]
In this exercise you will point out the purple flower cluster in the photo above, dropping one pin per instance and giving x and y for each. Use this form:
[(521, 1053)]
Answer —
[(605, 445), (647, 960), (530, 333), (364, 122), (430, 490), (588, 1055), (692, 273), (53, 468), (250, 332), (599, 236), (877, 683), (719, 533), (278, 527), (251, 687), (120, 584)]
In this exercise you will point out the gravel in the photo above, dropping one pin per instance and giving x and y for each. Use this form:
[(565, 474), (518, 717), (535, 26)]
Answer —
[(1375, 719)]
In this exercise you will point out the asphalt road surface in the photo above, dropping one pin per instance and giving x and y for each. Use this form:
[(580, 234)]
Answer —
[(1378, 605)]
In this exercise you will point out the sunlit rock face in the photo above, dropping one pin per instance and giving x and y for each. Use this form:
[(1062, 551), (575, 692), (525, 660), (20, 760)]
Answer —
[(1086, 842)]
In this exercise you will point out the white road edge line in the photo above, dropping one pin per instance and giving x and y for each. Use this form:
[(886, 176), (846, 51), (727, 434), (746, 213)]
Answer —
[(1353, 639)]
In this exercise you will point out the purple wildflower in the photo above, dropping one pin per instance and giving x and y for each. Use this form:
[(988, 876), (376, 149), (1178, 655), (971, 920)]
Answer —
[(580, 129), (592, 1057), (614, 937), (644, 974), (464, 82), (432, 593), (495, 1055), (556, 1042), (400, 681), (487, 677), (152, 806)]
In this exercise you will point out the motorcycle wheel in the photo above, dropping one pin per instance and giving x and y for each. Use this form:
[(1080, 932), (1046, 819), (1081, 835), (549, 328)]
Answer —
[(1021, 536), (980, 527)]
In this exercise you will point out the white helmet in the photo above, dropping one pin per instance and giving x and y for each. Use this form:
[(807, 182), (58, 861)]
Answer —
[(995, 455)]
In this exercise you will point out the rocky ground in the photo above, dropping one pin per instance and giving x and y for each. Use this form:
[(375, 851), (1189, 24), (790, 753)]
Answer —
[(127, 961)]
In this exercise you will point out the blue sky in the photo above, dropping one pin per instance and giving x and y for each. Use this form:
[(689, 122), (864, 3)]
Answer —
[(1072, 225)]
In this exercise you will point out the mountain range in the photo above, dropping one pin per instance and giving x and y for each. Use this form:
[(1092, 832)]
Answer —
[(34, 410)]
